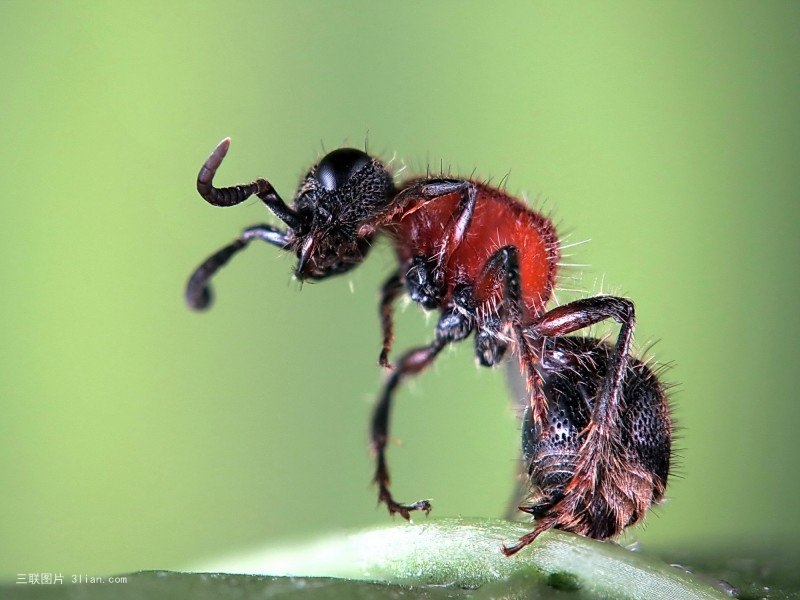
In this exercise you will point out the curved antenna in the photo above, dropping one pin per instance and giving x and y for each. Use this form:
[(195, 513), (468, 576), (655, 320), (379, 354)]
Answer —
[(231, 196)]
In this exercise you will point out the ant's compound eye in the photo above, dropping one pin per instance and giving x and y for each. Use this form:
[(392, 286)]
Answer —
[(337, 167)]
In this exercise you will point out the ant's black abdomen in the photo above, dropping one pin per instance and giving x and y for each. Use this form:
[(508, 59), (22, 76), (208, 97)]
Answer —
[(574, 372)]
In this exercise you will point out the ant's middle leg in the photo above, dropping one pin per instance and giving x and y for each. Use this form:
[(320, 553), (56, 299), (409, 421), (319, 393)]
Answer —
[(412, 363), (501, 274), (454, 325)]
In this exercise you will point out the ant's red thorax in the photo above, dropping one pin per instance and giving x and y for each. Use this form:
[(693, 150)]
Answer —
[(499, 220)]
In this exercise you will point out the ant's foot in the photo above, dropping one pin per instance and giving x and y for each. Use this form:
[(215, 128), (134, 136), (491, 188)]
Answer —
[(383, 360), (404, 510), (543, 525), (511, 550)]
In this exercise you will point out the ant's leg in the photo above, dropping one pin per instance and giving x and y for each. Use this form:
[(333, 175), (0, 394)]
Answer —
[(424, 273), (598, 436), (455, 324), (457, 227), (583, 313), (542, 525), (501, 272), (198, 294), (411, 363), (237, 194), (390, 290), (421, 282)]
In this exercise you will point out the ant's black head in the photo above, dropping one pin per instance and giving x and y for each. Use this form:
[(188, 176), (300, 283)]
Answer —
[(336, 210), (336, 203)]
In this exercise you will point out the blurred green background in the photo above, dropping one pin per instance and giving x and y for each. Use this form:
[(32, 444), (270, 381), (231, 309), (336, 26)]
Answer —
[(136, 434)]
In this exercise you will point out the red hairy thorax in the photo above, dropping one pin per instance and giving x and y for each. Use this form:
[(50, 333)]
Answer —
[(499, 220)]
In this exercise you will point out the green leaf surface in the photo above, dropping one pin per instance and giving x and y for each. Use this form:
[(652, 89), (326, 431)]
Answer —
[(447, 558), (466, 554)]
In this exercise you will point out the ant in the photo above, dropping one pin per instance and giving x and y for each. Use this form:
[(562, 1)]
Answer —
[(596, 430)]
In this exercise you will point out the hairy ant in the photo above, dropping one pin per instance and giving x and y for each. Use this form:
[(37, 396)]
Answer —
[(596, 432)]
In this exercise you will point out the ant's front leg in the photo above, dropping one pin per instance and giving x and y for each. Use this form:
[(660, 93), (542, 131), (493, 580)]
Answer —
[(455, 324), (198, 292), (456, 229), (390, 290), (425, 272), (413, 362)]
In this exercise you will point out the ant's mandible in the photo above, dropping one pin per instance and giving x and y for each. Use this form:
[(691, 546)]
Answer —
[(596, 431)]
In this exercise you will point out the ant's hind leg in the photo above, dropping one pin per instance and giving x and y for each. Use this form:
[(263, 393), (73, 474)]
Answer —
[(198, 293), (412, 363), (571, 317)]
